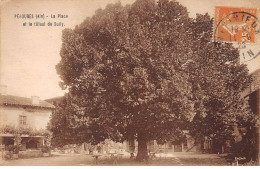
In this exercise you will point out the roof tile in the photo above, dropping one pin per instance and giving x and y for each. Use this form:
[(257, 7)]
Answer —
[(22, 101)]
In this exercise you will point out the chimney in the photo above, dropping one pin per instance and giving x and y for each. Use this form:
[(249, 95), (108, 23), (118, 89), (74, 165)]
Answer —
[(35, 100), (3, 89)]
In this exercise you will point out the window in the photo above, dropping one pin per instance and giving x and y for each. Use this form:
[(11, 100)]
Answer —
[(22, 120)]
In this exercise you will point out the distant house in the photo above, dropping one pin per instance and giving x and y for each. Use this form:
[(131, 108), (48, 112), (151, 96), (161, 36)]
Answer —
[(253, 95), (55, 101), (27, 117)]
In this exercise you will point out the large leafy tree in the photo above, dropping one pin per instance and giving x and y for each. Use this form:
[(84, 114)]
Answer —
[(121, 66), (144, 71)]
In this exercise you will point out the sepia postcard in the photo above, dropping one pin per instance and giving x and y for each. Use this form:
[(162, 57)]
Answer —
[(129, 82)]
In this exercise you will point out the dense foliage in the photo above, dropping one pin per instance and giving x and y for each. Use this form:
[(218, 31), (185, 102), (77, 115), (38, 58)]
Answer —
[(7, 129), (145, 71), (218, 81)]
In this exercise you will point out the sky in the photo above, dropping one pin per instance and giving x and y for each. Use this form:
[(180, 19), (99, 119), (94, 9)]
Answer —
[(29, 53)]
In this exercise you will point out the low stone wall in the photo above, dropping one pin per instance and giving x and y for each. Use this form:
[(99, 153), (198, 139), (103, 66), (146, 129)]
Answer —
[(30, 153)]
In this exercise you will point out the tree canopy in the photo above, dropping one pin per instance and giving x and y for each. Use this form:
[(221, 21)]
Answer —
[(145, 71)]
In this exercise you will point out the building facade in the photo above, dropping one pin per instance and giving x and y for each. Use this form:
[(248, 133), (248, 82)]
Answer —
[(253, 96), (26, 118)]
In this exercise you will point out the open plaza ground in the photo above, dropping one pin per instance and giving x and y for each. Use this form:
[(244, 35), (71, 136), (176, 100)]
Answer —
[(174, 159)]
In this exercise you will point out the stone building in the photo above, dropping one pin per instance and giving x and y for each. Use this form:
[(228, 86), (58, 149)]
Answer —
[(253, 95), (27, 117)]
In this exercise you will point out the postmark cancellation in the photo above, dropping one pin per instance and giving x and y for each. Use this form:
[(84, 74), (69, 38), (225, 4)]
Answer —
[(235, 25)]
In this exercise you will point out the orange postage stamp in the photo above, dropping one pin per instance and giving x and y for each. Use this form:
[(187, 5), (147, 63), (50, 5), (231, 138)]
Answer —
[(235, 24)]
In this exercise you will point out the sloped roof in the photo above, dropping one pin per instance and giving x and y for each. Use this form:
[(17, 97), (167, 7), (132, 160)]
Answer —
[(257, 71), (23, 101), (55, 99), (254, 86)]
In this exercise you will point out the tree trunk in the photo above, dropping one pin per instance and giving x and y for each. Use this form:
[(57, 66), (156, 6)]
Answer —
[(142, 154)]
